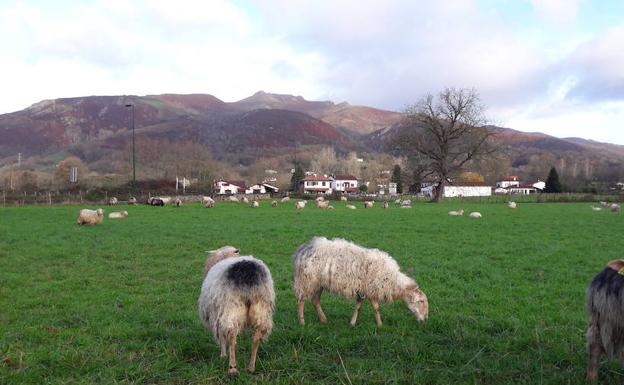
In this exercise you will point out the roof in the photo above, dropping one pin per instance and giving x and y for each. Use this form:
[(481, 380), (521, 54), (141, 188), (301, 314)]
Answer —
[(510, 178), (270, 186), (316, 178), (468, 184), (345, 177), (237, 183), (317, 188)]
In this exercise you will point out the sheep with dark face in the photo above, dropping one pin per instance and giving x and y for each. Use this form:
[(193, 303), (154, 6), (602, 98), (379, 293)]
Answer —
[(344, 268), (237, 293), (156, 202), (605, 308)]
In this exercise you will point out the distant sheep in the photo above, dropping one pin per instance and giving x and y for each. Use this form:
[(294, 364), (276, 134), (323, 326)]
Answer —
[(343, 198), (320, 199), (113, 201), (206, 199), (208, 202), (177, 202), (605, 310), (166, 200), (385, 205), (398, 202), (406, 202), (595, 208), (274, 204), (603, 203), (330, 207), (456, 213), (244, 199), (300, 205), (285, 199), (475, 214), (615, 207), (255, 204), (132, 201), (90, 217), (406, 207), (118, 214), (232, 198), (512, 205), (322, 204), (156, 202), (218, 255), (344, 268), (237, 294), (368, 204), (350, 207)]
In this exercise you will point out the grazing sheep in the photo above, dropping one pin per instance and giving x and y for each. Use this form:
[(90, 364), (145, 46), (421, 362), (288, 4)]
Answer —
[(615, 207), (132, 201), (595, 208), (350, 207), (118, 214), (512, 205), (605, 309), (232, 198), (90, 217), (385, 205), (368, 204), (165, 200), (244, 199), (177, 202), (344, 268), (475, 214), (397, 202), (113, 201), (237, 294), (320, 199), (300, 205), (321, 204), (603, 203), (406, 203), (156, 202), (255, 204), (274, 204), (330, 207), (285, 199), (456, 213), (343, 198), (218, 255), (206, 199)]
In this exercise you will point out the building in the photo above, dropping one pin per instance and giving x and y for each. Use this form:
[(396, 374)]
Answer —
[(467, 189), (224, 187), (508, 181), (345, 184), (317, 185), (517, 188), (257, 188)]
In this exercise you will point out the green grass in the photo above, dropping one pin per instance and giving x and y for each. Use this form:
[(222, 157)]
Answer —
[(116, 303)]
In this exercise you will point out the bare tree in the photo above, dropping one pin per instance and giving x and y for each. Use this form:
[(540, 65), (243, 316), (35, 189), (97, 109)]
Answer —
[(443, 134)]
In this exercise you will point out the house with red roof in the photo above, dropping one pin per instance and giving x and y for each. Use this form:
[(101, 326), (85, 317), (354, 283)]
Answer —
[(317, 185)]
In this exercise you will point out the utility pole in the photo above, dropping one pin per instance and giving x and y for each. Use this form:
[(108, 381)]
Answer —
[(19, 159)]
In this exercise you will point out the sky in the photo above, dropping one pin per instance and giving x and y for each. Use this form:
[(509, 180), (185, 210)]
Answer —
[(552, 66)]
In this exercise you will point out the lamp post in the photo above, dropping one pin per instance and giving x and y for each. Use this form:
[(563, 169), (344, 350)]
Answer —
[(131, 106)]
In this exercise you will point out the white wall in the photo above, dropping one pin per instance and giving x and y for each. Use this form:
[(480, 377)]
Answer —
[(467, 191)]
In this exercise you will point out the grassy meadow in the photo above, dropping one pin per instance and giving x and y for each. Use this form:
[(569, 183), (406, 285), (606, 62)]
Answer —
[(116, 303)]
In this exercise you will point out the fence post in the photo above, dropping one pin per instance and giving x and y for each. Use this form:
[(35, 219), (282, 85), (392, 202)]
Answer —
[(3, 198), (49, 199)]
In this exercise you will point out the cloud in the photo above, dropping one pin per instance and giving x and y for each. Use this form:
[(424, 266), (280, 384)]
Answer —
[(559, 12)]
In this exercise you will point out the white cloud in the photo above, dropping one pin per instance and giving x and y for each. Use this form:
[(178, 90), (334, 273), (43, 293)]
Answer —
[(560, 12)]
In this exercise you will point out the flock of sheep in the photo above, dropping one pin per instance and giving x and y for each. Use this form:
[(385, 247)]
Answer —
[(237, 292)]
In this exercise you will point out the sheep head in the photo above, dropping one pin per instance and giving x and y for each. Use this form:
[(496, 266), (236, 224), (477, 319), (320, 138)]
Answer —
[(214, 256), (416, 301), (99, 212), (616, 265)]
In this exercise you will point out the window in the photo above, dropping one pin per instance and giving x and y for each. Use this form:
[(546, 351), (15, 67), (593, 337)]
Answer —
[(323, 184)]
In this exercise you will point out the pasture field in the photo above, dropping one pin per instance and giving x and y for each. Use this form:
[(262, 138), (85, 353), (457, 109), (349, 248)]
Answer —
[(116, 303)]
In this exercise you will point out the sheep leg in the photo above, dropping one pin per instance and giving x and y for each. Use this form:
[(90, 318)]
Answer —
[(300, 306), (255, 343), (594, 350), (316, 301), (223, 350), (375, 306), (232, 371), (354, 317)]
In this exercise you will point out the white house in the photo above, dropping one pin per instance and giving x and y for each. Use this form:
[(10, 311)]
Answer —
[(345, 184), (224, 187), (317, 185), (467, 189), (509, 181), (256, 189)]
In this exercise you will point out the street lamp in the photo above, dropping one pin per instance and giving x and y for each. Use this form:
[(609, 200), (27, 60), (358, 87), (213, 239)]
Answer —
[(133, 158)]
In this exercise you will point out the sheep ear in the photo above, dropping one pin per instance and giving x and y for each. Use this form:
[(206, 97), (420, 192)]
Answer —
[(616, 265), (237, 251)]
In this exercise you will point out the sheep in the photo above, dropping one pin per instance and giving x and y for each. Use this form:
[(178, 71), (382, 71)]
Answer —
[(350, 207), (330, 207), (165, 200), (132, 201), (352, 271), (118, 214), (210, 204), (343, 198), (603, 203), (322, 204), (285, 199), (406, 207), (215, 256), (512, 205), (368, 204), (456, 213), (605, 309), (274, 204), (615, 207), (237, 294), (244, 199), (300, 205), (320, 199), (90, 217), (255, 204), (406, 202), (156, 202), (113, 201), (206, 199), (177, 202), (398, 202), (385, 205), (595, 208), (232, 198), (475, 214)]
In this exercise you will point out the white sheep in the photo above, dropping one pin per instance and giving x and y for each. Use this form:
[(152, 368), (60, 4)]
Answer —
[(322, 204), (218, 255), (244, 199), (512, 205), (603, 203), (456, 213), (118, 214), (343, 198), (255, 204), (320, 199), (237, 293), (113, 201), (300, 205), (232, 198), (596, 208), (352, 271), (177, 202), (615, 207), (132, 201), (285, 199), (330, 207), (475, 214), (368, 204), (274, 204), (406, 203), (350, 207), (90, 217), (385, 205), (205, 199), (398, 202), (166, 200)]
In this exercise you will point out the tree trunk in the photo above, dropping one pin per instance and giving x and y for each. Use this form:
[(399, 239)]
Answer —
[(439, 192)]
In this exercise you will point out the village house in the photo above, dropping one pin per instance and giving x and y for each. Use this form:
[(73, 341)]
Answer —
[(512, 186), (459, 189), (345, 184), (317, 185), (224, 187)]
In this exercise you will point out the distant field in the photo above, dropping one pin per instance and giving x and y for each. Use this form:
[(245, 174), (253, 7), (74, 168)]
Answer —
[(116, 303)]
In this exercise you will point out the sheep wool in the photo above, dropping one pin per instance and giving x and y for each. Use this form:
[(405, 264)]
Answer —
[(90, 217), (218, 255), (237, 293), (475, 214), (352, 271), (118, 214)]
